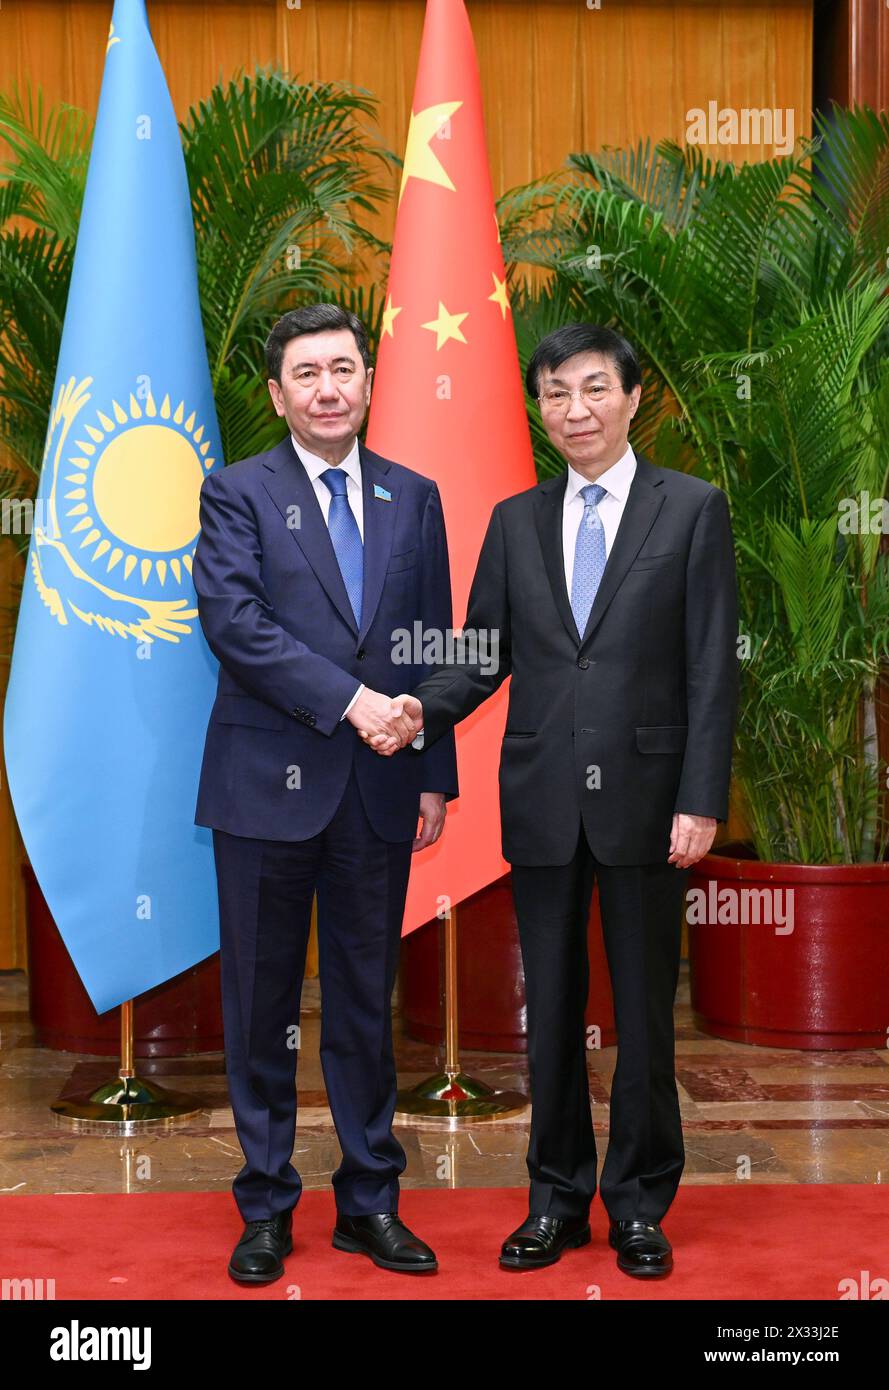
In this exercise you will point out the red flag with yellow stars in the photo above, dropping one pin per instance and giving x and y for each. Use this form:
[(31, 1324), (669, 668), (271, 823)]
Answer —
[(448, 399)]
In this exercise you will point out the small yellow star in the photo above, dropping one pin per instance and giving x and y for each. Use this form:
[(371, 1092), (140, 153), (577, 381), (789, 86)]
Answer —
[(500, 296), (421, 162), (446, 326), (390, 313)]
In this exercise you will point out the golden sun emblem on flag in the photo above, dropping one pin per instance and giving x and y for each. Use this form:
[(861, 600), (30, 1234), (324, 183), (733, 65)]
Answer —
[(122, 514)]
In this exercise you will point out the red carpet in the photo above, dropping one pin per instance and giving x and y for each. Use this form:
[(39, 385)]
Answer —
[(740, 1242)]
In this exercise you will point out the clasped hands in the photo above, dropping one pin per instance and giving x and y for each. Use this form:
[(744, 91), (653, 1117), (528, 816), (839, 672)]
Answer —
[(384, 723)]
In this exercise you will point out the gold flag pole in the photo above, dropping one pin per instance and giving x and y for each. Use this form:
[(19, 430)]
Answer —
[(451, 1095), (129, 1104)]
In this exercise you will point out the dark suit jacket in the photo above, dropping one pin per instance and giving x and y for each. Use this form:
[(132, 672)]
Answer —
[(274, 610), (634, 721)]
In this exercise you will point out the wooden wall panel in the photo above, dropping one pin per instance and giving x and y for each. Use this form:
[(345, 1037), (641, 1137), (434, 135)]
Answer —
[(557, 76)]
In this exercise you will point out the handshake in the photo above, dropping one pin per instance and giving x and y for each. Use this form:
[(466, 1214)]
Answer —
[(386, 724)]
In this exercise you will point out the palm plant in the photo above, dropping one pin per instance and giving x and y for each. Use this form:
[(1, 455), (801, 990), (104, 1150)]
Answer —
[(280, 172), (757, 299)]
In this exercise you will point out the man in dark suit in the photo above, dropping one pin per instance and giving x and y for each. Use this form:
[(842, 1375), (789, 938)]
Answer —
[(612, 589), (310, 557)]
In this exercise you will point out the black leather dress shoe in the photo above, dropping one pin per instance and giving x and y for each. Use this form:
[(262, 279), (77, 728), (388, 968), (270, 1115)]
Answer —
[(386, 1239), (642, 1249), (540, 1241), (258, 1256)]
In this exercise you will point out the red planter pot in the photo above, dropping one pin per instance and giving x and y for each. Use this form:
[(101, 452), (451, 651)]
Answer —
[(807, 969), (490, 977), (179, 1018)]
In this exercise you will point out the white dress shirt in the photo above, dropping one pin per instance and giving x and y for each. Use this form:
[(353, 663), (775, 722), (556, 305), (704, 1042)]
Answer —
[(616, 480), (351, 466)]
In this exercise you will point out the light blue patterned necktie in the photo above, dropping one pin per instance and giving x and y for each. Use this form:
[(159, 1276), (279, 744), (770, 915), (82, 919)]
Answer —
[(589, 555), (346, 538)]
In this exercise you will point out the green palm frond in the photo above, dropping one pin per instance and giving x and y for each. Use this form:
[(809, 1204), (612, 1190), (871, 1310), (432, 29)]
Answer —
[(12, 196), (368, 303), (812, 586), (665, 178), (247, 420), (281, 173), (853, 184), (35, 271), (51, 151), (277, 170)]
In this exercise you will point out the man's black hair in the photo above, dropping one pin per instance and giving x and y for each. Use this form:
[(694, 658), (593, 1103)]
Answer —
[(572, 338), (311, 318)]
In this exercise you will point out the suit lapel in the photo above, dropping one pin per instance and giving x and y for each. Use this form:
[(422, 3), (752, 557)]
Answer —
[(643, 503), (379, 529), (549, 500)]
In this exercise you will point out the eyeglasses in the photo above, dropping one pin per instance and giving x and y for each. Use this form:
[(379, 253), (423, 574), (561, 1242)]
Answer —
[(558, 398)]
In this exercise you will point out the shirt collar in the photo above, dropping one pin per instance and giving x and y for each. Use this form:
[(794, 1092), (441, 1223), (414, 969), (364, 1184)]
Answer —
[(315, 466), (616, 480)]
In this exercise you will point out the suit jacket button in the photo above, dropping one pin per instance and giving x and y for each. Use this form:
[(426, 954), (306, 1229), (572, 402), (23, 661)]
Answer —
[(583, 663), (361, 654)]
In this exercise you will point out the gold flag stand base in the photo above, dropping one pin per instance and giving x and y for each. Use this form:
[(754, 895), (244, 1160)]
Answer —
[(459, 1097), (129, 1104), (451, 1095)]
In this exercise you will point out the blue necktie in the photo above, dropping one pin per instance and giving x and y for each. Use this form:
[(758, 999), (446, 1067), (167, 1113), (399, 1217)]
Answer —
[(346, 538), (589, 556)]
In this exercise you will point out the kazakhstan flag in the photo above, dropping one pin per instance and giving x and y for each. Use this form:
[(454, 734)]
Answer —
[(111, 681)]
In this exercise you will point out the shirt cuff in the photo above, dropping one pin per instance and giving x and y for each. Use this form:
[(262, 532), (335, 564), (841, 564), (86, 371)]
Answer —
[(351, 703)]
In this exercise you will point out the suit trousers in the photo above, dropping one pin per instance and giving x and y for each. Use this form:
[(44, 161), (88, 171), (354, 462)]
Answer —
[(265, 903), (642, 926)]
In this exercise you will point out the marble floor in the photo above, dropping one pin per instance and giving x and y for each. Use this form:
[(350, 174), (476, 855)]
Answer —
[(749, 1114)]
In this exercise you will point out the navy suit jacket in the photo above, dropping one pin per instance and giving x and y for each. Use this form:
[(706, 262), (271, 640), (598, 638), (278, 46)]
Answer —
[(274, 611)]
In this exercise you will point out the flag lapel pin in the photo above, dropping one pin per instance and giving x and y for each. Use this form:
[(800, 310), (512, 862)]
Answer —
[(382, 493)]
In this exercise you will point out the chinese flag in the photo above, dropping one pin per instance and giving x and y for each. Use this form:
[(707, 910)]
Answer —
[(448, 399)]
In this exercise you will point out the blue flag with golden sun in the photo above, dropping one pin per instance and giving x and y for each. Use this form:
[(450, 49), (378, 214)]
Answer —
[(112, 682)]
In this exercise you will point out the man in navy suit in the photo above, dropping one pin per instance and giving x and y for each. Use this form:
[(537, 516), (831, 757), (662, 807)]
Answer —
[(311, 558)]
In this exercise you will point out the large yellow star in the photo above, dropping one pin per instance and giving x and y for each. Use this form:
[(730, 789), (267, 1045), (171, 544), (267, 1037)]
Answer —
[(420, 162), (390, 313), (446, 326), (500, 296)]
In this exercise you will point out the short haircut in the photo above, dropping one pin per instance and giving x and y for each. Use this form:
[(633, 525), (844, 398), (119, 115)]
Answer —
[(572, 338), (311, 318)]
